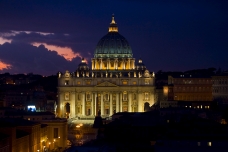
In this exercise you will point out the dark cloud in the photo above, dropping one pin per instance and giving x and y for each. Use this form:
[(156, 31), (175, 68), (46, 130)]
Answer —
[(26, 58)]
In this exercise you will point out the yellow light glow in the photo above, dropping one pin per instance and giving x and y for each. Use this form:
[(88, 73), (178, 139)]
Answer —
[(5, 66)]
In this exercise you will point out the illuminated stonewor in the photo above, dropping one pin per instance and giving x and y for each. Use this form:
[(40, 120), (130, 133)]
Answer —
[(113, 84)]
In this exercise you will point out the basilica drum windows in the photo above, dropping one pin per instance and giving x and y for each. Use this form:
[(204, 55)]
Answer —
[(67, 96), (146, 96), (124, 96)]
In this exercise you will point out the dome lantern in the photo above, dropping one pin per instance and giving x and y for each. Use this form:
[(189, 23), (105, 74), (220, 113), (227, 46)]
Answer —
[(113, 25)]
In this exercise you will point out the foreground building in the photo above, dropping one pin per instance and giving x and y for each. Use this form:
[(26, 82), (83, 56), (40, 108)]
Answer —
[(113, 84)]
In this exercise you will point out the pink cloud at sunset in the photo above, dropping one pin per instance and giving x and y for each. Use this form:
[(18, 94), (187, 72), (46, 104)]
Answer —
[(66, 52), (4, 66), (2, 40)]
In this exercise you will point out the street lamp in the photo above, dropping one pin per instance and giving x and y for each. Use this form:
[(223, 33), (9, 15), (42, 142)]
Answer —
[(49, 145)]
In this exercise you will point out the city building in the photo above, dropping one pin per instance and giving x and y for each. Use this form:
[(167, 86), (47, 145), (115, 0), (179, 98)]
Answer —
[(220, 88), (187, 90), (50, 132), (114, 83)]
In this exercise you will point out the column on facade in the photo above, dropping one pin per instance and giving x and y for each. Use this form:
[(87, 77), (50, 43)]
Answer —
[(129, 101), (92, 64), (72, 106), (92, 103), (102, 104), (138, 103), (129, 64), (117, 103), (95, 104), (110, 106), (100, 64), (116, 63), (109, 63), (83, 103), (95, 64), (121, 99), (60, 106)]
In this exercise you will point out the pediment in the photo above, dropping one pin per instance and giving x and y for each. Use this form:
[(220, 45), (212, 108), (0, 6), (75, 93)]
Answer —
[(106, 84)]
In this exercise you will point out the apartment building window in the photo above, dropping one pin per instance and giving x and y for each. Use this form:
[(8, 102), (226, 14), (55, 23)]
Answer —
[(56, 133)]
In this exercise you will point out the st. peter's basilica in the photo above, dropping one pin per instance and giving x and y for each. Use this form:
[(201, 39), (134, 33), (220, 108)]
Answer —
[(114, 83)]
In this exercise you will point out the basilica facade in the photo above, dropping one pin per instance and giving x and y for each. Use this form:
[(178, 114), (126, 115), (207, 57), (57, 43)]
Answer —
[(114, 83)]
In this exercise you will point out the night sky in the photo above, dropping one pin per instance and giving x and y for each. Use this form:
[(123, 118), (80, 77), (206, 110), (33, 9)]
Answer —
[(44, 37)]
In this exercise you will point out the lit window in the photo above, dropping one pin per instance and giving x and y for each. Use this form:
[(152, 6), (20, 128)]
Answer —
[(146, 96), (66, 82), (134, 82), (67, 96), (209, 144), (78, 82), (124, 82), (87, 82)]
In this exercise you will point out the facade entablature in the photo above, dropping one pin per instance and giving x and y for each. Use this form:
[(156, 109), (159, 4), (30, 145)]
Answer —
[(97, 81)]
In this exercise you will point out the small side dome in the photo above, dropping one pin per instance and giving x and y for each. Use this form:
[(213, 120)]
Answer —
[(140, 65), (83, 65)]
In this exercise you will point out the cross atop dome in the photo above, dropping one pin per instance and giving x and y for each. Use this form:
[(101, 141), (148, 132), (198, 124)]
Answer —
[(113, 25), (113, 20)]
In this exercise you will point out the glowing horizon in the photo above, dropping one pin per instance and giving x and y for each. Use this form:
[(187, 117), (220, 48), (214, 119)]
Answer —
[(4, 66)]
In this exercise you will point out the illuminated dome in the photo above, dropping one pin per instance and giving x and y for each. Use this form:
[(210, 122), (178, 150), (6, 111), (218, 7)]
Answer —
[(113, 44)]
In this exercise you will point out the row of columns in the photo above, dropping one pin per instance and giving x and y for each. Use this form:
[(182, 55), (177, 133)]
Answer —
[(97, 64), (94, 106)]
